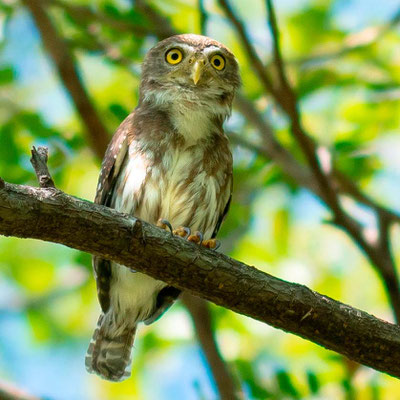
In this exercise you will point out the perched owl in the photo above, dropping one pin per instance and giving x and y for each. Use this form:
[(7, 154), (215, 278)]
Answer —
[(169, 160)]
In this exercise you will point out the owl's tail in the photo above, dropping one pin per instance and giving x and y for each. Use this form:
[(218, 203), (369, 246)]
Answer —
[(109, 352)]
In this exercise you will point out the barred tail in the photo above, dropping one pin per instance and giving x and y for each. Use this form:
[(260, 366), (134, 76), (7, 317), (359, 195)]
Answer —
[(109, 352)]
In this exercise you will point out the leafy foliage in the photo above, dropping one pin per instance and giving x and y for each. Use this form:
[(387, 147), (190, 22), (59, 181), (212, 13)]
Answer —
[(349, 100)]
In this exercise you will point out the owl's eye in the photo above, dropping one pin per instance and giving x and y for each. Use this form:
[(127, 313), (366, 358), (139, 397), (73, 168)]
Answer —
[(218, 62), (174, 56)]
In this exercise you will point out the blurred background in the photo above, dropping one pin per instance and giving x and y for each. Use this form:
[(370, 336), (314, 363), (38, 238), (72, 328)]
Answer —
[(70, 94)]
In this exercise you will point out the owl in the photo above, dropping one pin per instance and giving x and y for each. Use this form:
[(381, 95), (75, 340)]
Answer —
[(168, 163)]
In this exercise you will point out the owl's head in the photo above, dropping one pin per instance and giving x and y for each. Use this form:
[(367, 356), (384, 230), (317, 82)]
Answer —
[(189, 68)]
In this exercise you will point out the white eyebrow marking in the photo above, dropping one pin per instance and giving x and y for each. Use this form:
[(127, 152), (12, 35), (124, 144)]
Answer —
[(211, 48), (184, 46), (214, 49)]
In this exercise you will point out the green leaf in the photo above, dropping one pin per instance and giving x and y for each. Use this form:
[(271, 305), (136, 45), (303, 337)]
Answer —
[(313, 382), (286, 385), (119, 111), (246, 373), (6, 75)]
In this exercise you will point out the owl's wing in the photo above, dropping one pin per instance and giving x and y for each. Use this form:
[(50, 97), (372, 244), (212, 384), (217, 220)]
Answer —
[(222, 217), (110, 169), (225, 210), (112, 162)]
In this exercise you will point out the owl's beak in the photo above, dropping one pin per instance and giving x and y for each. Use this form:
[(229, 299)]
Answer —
[(197, 70)]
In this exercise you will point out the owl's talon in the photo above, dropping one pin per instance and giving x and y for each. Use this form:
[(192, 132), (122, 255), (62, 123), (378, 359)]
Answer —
[(182, 231), (164, 224), (196, 238), (212, 244)]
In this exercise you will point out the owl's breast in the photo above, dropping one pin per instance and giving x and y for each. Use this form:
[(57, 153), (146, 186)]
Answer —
[(176, 186), (181, 191)]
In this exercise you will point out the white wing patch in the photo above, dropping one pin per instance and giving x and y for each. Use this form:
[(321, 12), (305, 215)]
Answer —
[(130, 182)]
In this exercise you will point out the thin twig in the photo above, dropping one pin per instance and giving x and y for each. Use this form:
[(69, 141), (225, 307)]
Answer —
[(291, 107), (272, 149), (347, 186), (39, 163), (280, 66), (255, 60)]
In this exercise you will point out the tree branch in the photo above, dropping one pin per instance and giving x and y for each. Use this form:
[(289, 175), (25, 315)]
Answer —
[(161, 26), (202, 321), (51, 215), (255, 60), (378, 251), (342, 182), (68, 72), (291, 107), (271, 148)]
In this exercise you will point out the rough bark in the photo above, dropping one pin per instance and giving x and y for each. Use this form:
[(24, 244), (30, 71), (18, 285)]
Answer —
[(51, 215)]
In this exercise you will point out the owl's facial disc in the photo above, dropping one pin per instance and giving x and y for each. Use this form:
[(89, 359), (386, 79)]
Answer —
[(190, 69)]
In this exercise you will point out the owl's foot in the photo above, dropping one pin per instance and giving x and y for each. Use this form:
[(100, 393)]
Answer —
[(196, 238), (164, 224), (212, 244), (185, 233), (182, 231)]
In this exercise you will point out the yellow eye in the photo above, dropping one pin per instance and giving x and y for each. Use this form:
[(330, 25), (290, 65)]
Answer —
[(218, 62), (174, 56)]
